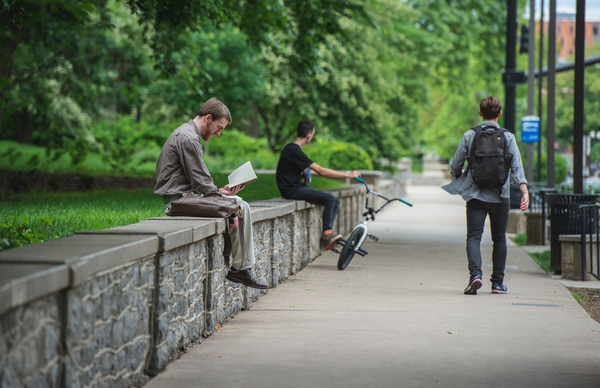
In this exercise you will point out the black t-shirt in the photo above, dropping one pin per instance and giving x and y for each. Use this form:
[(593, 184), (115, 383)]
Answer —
[(289, 169)]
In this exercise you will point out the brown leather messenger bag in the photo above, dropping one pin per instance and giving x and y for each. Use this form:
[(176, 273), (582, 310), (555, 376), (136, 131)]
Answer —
[(214, 206)]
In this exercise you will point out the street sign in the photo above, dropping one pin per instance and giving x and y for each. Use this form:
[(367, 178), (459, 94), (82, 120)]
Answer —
[(530, 129)]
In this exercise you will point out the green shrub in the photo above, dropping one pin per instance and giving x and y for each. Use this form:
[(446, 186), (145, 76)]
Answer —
[(235, 148), (338, 155), (521, 239), (18, 234), (125, 144)]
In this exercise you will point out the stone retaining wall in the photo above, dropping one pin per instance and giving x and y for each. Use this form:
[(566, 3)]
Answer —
[(103, 308)]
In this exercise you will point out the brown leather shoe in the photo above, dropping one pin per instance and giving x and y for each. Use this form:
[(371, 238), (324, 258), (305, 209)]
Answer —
[(246, 278)]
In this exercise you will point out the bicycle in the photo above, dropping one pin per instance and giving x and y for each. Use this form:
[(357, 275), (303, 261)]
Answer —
[(360, 232)]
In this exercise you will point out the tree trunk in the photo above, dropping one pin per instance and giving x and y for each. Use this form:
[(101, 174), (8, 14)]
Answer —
[(23, 127), (8, 50)]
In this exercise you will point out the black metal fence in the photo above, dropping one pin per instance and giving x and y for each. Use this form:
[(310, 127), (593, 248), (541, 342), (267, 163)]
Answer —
[(565, 218), (590, 226), (538, 203)]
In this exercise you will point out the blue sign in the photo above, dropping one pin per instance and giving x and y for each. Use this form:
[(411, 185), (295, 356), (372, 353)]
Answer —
[(530, 129)]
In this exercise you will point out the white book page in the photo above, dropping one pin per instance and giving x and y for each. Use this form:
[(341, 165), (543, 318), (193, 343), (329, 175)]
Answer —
[(242, 176)]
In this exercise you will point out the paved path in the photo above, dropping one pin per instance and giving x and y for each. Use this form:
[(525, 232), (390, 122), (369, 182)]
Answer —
[(398, 318)]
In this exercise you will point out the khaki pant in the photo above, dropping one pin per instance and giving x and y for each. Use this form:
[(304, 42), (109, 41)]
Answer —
[(236, 252)]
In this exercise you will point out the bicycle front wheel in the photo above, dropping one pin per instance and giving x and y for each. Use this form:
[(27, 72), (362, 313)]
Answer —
[(348, 251)]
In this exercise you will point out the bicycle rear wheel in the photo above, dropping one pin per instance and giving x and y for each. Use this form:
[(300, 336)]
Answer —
[(348, 251)]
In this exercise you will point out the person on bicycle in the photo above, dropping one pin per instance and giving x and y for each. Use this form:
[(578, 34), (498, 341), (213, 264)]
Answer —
[(294, 165), (484, 201)]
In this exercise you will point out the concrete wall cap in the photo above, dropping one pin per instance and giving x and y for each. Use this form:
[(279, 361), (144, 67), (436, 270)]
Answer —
[(218, 222), (283, 208), (85, 254), (263, 213), (172, 233), (576, 238), (23, 283)]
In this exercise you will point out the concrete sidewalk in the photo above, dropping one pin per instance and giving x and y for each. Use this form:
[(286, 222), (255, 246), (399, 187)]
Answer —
[(398, 318)]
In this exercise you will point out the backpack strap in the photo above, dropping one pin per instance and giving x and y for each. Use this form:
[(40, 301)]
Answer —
[(477, 129)]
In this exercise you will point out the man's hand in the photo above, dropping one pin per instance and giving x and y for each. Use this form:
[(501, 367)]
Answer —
[(353, 174), (235, 222), (525, 198), (231, 191)]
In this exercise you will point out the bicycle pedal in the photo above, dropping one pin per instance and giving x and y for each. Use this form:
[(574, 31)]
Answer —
[(374, 238), (335, 250)]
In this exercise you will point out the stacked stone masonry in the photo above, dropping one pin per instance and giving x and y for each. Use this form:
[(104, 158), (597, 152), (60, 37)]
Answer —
[(104, 308)]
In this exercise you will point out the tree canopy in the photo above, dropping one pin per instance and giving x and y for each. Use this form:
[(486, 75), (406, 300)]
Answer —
[(388, 76)]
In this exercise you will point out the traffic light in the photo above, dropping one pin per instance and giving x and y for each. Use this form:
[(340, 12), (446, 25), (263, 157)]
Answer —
[(524, 39)]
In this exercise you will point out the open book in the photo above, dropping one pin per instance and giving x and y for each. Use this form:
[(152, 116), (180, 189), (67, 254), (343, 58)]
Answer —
[(242, 176)]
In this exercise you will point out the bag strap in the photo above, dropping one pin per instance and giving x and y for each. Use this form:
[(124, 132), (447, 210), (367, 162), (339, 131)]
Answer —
[(228, 245), (477, 129)]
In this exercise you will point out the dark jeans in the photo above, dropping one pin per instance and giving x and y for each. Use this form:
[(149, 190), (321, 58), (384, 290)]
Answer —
[(316, 197), (477, 211)]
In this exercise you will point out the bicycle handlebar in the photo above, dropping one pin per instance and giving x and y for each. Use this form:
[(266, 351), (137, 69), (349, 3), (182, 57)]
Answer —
[(379, 195)]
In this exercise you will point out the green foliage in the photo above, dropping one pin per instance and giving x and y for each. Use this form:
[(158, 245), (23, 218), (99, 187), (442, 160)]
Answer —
[(521, 239), (233, 148), (338, 155), (18, 234), (468, 37), (35, 157), (560, 167), (215, 62), (126, 144), (364, 89), (384, 75), (543, 260), (565, 100)]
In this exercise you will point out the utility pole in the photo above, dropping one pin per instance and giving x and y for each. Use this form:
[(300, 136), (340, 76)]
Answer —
[(540, 84), (579, 100), (531, 84), (511, 66), (551, 94)]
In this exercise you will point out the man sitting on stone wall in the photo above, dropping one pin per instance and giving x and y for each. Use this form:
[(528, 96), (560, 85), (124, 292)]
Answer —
[(294, 165), (181, 169)]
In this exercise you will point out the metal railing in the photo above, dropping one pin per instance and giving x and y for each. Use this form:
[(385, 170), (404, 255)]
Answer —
[(538, 203), (590, 226)]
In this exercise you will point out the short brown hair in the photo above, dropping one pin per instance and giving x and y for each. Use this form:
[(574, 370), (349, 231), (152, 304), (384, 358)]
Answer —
[(305, 128), (490, 107), (216, 109)]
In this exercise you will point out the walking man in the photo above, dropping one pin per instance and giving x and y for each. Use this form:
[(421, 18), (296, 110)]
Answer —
[(484, 196), (180, 169), (293, 165)]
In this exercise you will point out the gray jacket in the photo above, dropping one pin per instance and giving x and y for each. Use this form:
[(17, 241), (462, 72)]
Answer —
[(180, 168), (464, 185)]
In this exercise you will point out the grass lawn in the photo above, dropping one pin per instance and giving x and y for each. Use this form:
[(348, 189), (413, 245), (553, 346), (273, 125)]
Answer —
[(42, 216), (92, 165)]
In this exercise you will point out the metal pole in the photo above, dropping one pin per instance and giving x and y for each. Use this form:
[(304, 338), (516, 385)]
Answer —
[(551, 93), (579, 93), (540, 84), (511, 65), (531, 84)]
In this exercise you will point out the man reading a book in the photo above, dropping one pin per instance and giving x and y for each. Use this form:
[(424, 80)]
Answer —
[(181, 169), (294, 165)]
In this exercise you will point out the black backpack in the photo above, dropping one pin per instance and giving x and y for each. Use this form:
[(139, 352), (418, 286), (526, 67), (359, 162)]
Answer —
[(488, 159)]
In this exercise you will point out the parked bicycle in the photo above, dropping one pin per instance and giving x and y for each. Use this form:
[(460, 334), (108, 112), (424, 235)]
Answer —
[(359, 234)]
